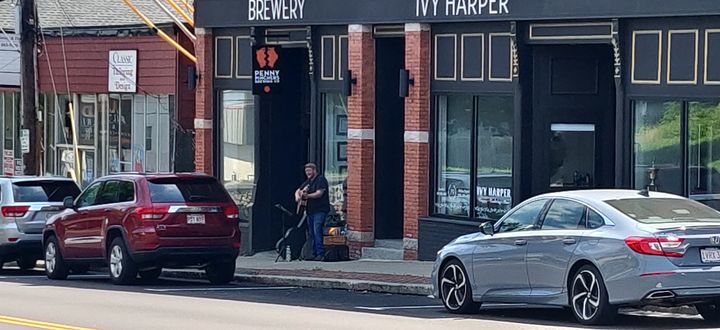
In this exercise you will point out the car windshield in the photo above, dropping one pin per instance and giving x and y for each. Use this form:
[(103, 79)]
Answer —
[(44, 191), (665, 210), (186, 191)]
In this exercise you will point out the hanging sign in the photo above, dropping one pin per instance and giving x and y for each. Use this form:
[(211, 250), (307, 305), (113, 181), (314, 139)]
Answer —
[(122, 71), (267, 71)]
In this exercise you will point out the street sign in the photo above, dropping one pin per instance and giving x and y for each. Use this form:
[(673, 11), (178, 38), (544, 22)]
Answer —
[(25, 140), (8, 162)]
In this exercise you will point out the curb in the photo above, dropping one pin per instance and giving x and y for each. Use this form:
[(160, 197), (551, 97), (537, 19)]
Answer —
[(318, 283)]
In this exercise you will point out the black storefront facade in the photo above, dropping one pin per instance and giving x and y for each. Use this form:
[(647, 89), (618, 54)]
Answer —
[(523, 97)]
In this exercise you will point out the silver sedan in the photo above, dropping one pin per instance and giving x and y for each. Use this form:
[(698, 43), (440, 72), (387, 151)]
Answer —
[(590, 251)]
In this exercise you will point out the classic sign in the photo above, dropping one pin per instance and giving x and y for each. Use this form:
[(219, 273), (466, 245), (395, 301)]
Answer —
[(122, 71)]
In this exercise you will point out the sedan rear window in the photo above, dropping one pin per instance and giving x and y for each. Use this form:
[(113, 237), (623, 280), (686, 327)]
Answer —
[(665, 210), (44, 191), (187, 191)]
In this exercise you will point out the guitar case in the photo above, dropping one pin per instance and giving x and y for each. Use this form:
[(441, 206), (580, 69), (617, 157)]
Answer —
[(295, 237)]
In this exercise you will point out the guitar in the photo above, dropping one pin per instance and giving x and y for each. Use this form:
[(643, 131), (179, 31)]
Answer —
[(301, 202)]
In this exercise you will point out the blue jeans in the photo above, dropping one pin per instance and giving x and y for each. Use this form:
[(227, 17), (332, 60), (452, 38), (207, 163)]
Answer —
[(315, 227)]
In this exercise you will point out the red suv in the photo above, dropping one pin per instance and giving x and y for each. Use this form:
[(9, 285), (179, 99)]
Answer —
[(139, 223)]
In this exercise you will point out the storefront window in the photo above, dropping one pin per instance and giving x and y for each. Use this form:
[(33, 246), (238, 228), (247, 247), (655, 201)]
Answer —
[(704, 152), (454, 139), (658, 145), (48, 106), (238, 149), (494, 157), (138, 140), (336, 126)]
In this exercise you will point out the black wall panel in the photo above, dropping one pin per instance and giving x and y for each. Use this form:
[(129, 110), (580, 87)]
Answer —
[(682, 63), (500, 57), (646, 48), (224, 57), (472, 56), (434, 233), (445, 57), (712, 59)]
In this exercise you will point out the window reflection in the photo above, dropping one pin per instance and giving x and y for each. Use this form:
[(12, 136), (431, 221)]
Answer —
[(494, 157), (453, 154), (238, 148), (336, 126), (657, 145), (704, 153)]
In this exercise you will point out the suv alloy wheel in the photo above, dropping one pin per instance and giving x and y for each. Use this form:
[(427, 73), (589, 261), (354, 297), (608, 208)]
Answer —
[(122, 268), (55, 266)]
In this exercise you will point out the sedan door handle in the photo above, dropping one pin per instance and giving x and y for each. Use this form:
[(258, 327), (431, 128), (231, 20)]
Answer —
[(520, 242), (569, 241)]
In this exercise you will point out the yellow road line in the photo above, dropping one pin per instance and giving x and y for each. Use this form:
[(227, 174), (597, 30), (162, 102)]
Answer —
[(38, 324)]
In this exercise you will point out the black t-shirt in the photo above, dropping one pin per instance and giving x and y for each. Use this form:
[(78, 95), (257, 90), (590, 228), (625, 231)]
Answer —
[(321, 204)]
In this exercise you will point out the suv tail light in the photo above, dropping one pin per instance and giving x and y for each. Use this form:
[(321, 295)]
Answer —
[(152, 213), (657, 246), (14, 211), (232, 212)]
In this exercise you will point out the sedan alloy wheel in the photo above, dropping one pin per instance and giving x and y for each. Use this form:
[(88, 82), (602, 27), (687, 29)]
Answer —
[(455, 290), (586, 295), (589, 299)]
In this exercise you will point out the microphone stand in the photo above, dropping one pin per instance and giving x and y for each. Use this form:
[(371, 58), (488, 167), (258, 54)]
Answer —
[(285, 213)]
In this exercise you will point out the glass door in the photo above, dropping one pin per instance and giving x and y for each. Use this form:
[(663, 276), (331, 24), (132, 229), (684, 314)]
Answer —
[(572, 156)]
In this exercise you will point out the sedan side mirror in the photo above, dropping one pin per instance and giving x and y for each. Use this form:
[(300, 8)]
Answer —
[(68, 202), (487, 228)]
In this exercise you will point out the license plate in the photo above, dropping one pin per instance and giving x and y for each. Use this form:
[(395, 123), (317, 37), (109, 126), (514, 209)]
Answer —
[(196, 219), (710, 255)]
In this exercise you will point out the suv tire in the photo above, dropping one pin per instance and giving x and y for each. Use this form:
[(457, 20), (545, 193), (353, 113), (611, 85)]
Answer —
[(221, 272), (55, 266), (26, 263), (122, 268), (150, 274)]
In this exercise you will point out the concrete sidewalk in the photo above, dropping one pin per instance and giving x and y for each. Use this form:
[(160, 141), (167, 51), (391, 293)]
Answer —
[(401, 277)]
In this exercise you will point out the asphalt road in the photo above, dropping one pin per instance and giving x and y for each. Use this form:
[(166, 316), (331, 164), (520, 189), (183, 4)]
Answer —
[(29, 300)]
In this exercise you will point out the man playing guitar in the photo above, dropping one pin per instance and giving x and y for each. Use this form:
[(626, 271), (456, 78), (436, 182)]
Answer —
[(313, 194)]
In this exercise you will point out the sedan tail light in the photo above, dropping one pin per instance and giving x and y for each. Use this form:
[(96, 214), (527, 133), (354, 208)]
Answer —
[(152, 213), (232, 212), (14, 211), (657, 246)]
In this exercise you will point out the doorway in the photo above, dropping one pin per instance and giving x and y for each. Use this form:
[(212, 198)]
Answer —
[(284, 134), (573, 135), (389, 138)]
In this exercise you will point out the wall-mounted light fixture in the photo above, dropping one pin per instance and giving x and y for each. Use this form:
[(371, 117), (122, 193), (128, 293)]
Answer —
[(348, 82), (406, 80)]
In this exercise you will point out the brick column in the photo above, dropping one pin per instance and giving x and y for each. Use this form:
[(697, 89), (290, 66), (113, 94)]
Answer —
[(361, 140), (204, 101), (417, 126)]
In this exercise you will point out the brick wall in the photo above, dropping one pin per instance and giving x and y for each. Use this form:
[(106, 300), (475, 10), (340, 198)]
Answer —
[(417, 126), (361, 144), (204, 102)]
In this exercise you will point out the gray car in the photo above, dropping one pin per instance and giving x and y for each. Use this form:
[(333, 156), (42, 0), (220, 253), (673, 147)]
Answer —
[(591, 252), (25, 205)]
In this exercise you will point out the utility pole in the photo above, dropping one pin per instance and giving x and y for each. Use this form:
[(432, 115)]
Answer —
[(29, 134)]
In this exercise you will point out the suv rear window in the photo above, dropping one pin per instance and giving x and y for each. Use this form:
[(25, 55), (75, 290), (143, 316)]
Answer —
[(44, 191), (187, 191), (665, 210)]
